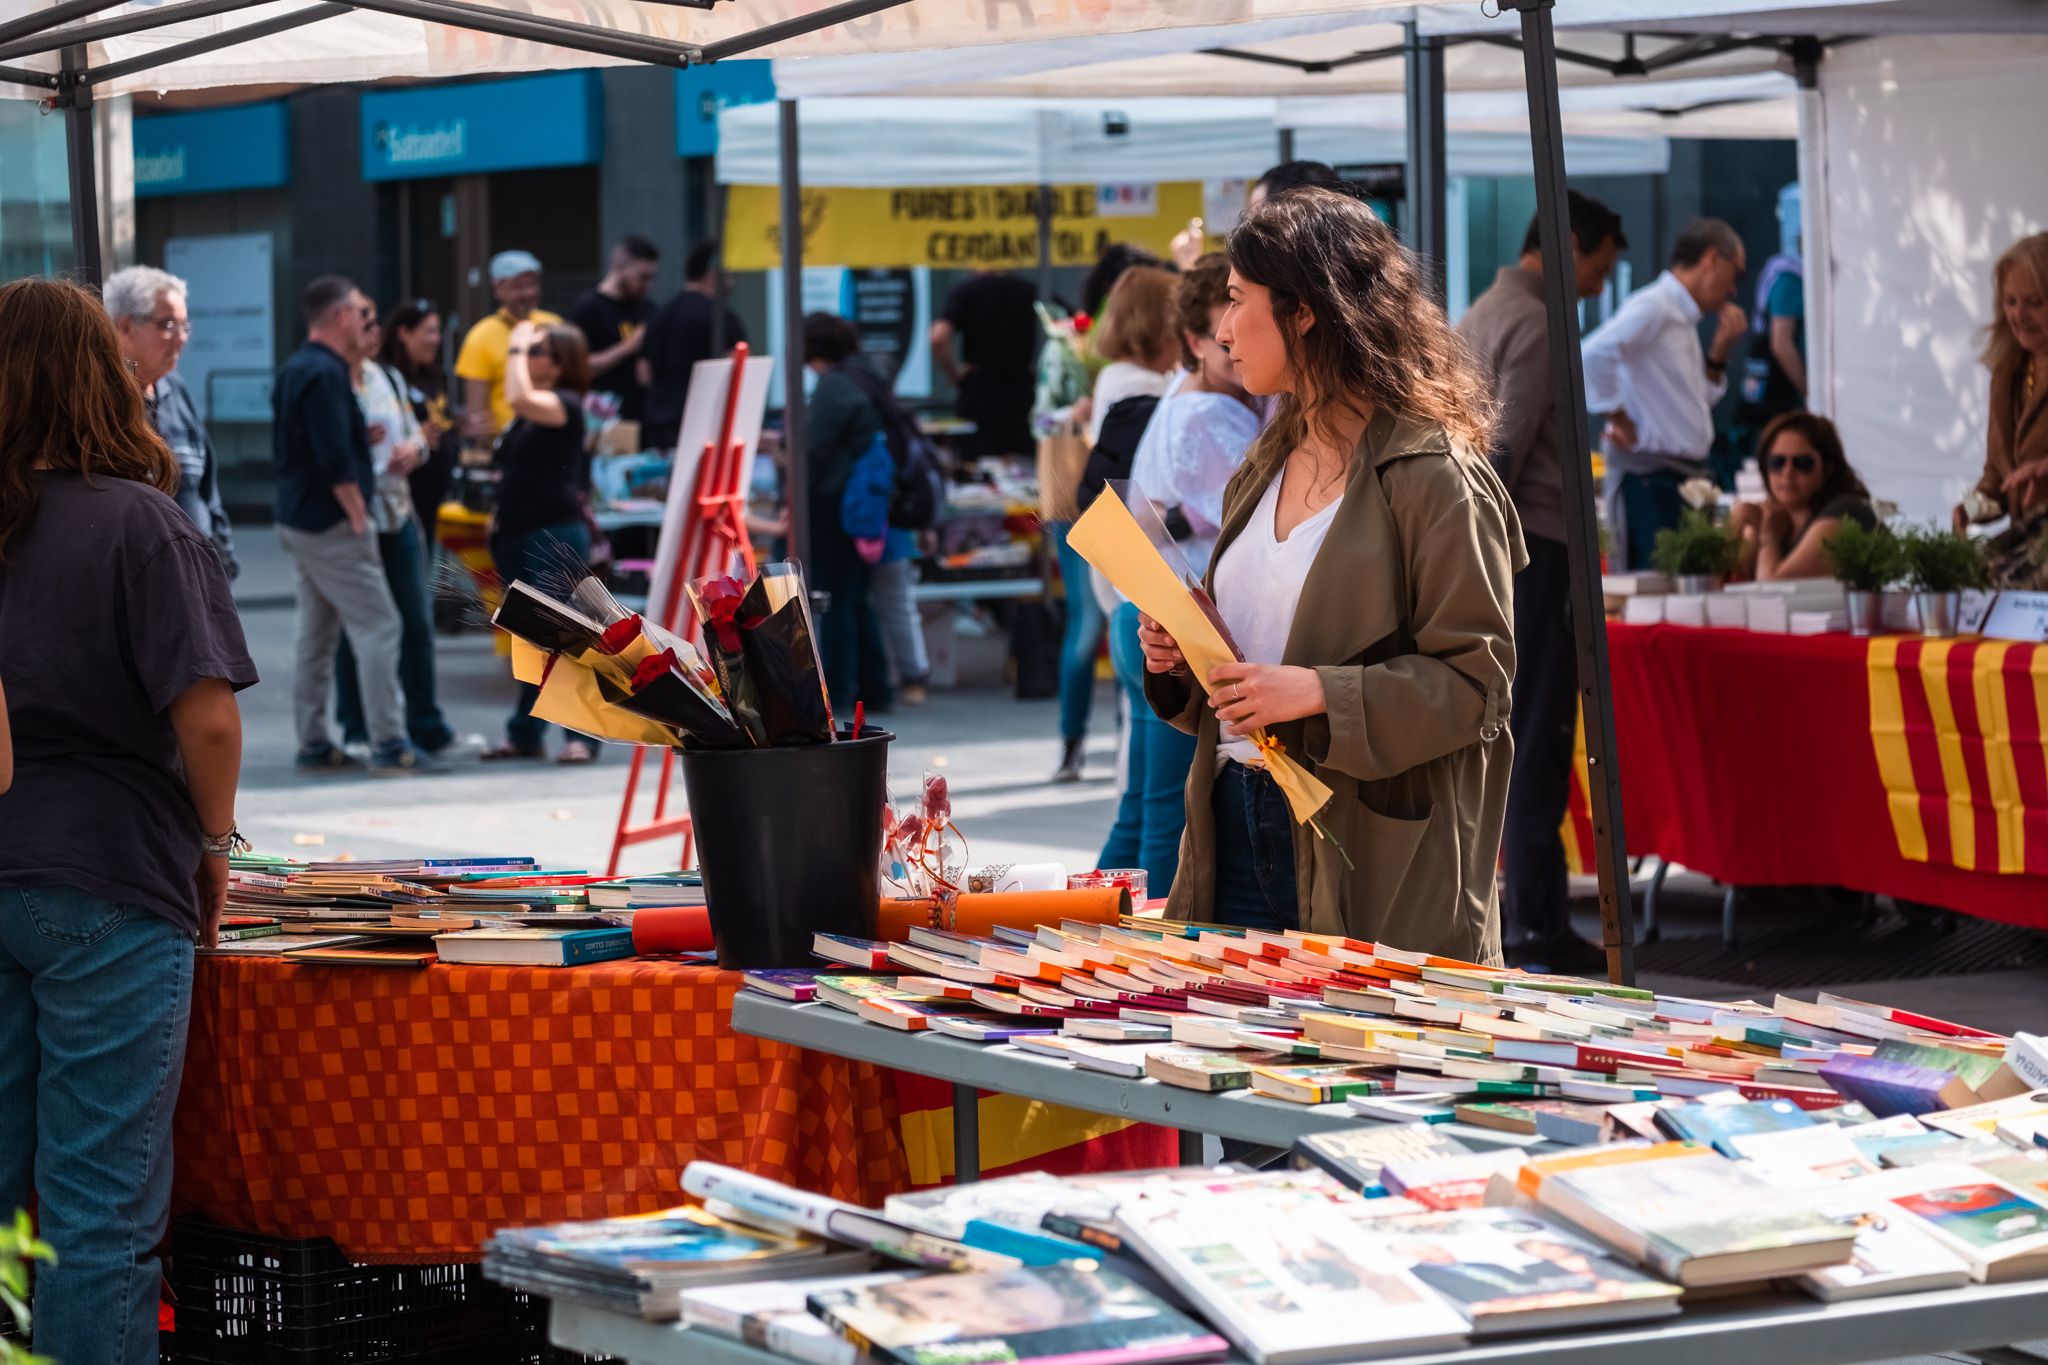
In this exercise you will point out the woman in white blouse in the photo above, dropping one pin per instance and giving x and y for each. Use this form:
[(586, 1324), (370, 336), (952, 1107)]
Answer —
[(1193, 445), (1135, 336)]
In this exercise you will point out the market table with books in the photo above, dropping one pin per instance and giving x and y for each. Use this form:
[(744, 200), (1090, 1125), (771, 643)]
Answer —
[(1900, 766), (408, 1114), (1757, 1332)]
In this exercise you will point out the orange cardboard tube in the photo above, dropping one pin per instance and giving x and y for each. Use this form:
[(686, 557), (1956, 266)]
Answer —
[(979, 915)]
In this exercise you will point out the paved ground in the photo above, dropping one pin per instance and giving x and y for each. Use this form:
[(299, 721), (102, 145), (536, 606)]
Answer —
[(995, 751)]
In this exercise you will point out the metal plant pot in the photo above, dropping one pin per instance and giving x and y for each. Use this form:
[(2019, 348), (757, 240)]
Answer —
[(1938, 612), (1866, 611)]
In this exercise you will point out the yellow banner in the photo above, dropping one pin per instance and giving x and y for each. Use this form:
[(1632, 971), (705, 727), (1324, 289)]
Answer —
[(956, 228)]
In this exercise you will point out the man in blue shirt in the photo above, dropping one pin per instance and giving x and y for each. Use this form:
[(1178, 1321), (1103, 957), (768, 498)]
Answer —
[(324, 484)]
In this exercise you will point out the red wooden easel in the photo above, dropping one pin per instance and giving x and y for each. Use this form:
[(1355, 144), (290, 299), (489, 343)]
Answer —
[(714, 530)]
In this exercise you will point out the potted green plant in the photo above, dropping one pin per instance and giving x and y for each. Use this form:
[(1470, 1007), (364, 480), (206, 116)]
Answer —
[(1940, 565), (1866, 561), (1697, 552), (18, 1246)]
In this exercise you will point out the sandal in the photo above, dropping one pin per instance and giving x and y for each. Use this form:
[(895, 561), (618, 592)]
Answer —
[(576, 751), (500, 753)]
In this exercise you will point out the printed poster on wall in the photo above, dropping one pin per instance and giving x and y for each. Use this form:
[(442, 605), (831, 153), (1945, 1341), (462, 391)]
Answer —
[(232, 353)]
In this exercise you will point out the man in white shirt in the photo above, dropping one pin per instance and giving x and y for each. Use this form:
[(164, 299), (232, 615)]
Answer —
[(1645, 370)]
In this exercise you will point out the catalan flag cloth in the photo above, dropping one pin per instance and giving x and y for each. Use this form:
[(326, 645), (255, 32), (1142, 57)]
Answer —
[(1958, 727)]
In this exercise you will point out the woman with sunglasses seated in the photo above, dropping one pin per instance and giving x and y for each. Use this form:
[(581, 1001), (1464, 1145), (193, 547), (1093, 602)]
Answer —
[(1812, 491)]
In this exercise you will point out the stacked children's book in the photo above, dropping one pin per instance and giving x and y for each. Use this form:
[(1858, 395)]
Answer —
[(408, 914)]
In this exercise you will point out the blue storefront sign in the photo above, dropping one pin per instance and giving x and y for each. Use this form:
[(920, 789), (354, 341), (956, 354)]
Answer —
[(522, 124), (701, 91), (246, 147)]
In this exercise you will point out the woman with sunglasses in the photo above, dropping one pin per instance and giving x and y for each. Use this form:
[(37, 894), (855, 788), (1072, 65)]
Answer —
[(1812, 491), (538, 532)]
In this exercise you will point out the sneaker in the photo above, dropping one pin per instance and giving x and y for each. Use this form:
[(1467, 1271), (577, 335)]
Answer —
[(357, 749), (913, 694), (1070, 762), (462, 746), (400, 759), (326, 760)]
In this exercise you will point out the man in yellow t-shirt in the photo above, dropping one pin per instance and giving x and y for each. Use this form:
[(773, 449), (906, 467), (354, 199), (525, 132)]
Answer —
[(515, 283)]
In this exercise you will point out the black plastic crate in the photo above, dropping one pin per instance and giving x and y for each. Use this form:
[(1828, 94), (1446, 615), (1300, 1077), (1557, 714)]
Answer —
[(249, 1299)]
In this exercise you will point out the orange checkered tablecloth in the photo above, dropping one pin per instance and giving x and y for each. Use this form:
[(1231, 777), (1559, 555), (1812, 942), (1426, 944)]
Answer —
[(408, 1114)]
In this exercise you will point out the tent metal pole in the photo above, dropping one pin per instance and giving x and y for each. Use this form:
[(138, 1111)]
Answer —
[(1568, 392), (796, 28), (791, 199), (42, 21), (75, 97), (15, 75), (78, 35), (199, 47), (1286, 145), (1427, 232), (1045, 193), (533, 28)]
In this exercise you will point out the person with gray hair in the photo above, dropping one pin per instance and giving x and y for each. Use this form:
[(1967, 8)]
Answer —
[(1644, 370), (148, 308)]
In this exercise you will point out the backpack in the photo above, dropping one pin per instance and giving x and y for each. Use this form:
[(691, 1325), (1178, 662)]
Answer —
[(919, 487)]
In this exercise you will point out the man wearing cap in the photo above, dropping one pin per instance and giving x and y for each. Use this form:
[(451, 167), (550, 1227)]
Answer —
[(515, 283)]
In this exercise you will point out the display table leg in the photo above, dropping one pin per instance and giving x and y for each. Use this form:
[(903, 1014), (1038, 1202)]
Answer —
[(1190, 1147), (1728, 917), (1650, 895), (966, 1134)]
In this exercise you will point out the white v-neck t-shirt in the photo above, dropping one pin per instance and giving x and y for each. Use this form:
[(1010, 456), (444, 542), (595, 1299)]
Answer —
[(1258, 588)]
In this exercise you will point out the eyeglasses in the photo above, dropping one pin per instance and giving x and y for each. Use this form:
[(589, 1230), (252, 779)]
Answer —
[(1801, 464), (170, 327)]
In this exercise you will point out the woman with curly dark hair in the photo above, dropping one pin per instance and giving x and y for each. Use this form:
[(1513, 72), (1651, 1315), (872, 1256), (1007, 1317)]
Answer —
[(1365, 568), (121, 653)]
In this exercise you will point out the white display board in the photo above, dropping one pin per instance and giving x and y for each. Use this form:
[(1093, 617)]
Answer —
[(703, 413), (1925, 188), (232, 354)]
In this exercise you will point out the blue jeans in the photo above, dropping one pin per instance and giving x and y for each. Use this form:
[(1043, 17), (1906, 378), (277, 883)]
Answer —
[(1255, 887), (538, 557), (1153, 811), (95, 997), (405, 569), (1083, 639)]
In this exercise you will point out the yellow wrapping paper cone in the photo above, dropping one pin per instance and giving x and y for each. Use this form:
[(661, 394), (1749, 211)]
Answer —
[(1110, 539), (570, 698)]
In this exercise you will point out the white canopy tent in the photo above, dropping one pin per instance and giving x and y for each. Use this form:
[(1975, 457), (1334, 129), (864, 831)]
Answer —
[(895, 141)]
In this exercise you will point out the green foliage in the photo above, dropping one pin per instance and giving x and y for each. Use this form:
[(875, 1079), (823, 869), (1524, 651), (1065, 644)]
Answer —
[(1696, 546), (1864, 560), (1942, 561), (18, 1246)]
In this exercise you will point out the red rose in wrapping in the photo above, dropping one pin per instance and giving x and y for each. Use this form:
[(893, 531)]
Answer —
[(619, 634), (719, 600), (652, 667)]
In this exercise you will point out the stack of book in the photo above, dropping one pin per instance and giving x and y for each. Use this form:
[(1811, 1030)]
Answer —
[(1507, 1059), (409, 914)]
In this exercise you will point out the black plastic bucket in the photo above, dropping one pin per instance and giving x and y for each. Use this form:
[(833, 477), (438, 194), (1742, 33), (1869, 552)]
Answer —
[(789, 840)]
